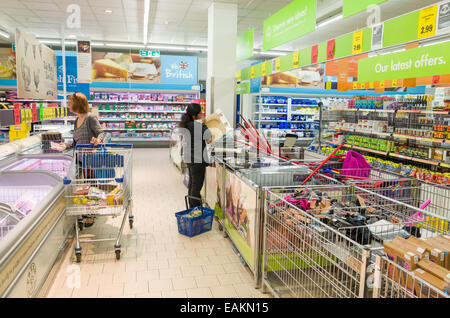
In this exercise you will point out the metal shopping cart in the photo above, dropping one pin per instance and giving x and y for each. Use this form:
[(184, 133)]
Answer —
[(100, 185)]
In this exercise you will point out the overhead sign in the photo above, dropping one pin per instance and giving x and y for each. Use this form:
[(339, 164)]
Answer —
[(296, 19), (244, 46), (418, 62), (36, 68), (351, 7), (357, 45), (427, 22), (147, 53), (180, 70), (243, 88)]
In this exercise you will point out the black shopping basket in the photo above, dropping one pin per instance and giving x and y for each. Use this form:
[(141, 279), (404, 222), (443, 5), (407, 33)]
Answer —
[(192, 226)]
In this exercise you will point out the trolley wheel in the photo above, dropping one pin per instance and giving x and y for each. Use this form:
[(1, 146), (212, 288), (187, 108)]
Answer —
[(81, 225), (131, 224), (220, 227), (117, 254), (78, 255)]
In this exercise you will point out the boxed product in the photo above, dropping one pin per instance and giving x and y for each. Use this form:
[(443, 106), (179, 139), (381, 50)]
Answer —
[(115, 197), (420, 251), (442, 246), (435, 255), (423, 290), (403, 257), (436, 270)]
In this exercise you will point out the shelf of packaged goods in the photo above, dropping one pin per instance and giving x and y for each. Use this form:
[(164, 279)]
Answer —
[(135, 119), (362, 131), (135, 102), (427, 161), (140, 111), (269, 113), (314, 106), (445, 165), (273, 104), (384, 153), (137, 129), (34, 100), (423, 112), (440, 141), (431, 112), (283, 138), (284, 120)]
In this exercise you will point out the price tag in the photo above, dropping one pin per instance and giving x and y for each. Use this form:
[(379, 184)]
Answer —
[(363, 85), (296, 59), (238, 76), (382, 84), (252, 72), (330, 49), (16, 114), (277, 65), (436, 79), (400, 83), (314, 54), (427, 22), (355, 85), (328, 85), (263, 68), (23, 116), (357, 45), (371, 85), (394, 83)]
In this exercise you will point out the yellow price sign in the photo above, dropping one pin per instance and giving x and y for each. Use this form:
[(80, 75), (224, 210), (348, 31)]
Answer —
[(252, 72), (382, 84), (238, 75), (363, 85), (355, 85), (357, 45), (277, 65), (263, 68), (328, 85), (394, 83), (296, 59), (371, 85), (427, 22)]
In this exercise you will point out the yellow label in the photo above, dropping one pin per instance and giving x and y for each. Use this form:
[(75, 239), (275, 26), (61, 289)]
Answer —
[(371, 85), (252, 72), (394, 83), (328, 85), (357, 45), (238, 75), (382, 84), (446, 165), (363, 85), (22, 116), (263, 68), (355, 85), (296, 59), (277, 64), (427, 22)]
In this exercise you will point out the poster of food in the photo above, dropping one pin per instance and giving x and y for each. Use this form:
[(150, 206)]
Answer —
[(241, 208), (7, 63), (36, 68), (305, 77), (125, 67), (84, 61)]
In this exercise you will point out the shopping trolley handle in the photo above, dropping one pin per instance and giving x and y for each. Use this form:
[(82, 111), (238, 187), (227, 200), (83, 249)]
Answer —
[(66, 181), (104, 146)]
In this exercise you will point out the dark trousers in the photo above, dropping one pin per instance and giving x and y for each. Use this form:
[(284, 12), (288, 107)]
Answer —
[(196, 179)]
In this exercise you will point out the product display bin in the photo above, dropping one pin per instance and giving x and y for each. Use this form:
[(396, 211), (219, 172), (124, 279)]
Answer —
[(32, 211), (317, 252)]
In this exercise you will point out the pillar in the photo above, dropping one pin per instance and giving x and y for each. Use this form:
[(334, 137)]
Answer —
[(220, 82)]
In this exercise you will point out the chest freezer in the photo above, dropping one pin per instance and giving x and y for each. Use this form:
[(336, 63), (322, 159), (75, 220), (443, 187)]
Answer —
[(55, 163), (31, 205)]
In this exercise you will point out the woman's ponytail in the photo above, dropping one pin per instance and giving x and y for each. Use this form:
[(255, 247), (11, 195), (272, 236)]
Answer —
[(191, 111)]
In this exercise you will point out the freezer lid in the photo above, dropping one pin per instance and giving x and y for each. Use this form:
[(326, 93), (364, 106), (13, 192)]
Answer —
[(56, 163)]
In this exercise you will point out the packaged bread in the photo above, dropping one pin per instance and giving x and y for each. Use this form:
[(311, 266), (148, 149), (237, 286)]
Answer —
[(108, 66)]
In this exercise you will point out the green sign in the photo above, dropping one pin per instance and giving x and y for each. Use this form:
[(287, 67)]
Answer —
[(296, 19), (244, 46), (146, 53), (351, 7), (419, 62), (243, 88)]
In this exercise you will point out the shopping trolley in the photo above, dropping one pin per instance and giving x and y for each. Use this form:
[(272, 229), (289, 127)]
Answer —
[(100, 186)]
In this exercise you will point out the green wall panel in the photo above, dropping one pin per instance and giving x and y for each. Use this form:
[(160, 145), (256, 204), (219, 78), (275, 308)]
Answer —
[(258, 70), (287, 62), (322, 52), (269, 67), (344, 46), (305, 57), (367, 40), (401, 30)]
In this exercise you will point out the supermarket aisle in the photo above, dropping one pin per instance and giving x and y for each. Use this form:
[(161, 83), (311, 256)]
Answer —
[(156, 260)]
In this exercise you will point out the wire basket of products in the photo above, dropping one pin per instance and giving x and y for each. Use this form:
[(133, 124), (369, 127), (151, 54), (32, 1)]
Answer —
[(48, 138), (194, 221)]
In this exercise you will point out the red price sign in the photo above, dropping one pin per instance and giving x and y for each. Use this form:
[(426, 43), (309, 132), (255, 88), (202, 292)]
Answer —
[(16, 114), (330, 49), (314, 54), (34, 112), (436, 79)]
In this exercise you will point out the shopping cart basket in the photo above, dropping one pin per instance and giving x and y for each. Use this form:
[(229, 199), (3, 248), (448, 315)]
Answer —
[(100, 185), (190, 225)]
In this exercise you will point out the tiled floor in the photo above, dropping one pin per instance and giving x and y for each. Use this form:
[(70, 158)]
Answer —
[(156, 261)]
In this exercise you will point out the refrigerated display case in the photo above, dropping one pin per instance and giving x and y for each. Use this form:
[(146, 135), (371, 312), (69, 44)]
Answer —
[(56, 163), (33, 230)]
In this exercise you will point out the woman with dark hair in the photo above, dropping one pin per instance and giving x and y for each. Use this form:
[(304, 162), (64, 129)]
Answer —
[(195, 137)]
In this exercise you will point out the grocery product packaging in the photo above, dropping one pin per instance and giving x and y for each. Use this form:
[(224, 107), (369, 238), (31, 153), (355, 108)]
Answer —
[(404, 258), (423, 290), (435, 255), (436, 270), (420, 251), (436, 242)]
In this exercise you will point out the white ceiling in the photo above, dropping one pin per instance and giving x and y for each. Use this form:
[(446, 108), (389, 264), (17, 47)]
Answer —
[(182, 22)]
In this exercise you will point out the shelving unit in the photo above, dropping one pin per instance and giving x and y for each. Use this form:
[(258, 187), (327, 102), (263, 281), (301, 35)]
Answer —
[(143, 118)]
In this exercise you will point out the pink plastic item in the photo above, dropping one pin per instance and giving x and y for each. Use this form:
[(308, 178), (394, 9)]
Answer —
[(355, 165)]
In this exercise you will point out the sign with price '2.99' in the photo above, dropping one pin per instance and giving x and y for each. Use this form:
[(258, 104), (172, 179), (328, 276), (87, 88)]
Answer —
[(357, 42), (427, 22)]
